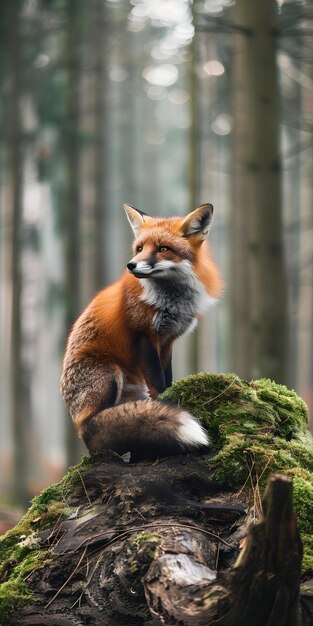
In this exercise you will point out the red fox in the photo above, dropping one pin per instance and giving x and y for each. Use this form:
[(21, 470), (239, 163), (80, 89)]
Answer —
[(118, 355)]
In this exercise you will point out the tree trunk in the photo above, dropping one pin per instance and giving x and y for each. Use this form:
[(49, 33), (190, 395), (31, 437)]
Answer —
[(72, 225), (259, 299), (101, 147), (19, 490)]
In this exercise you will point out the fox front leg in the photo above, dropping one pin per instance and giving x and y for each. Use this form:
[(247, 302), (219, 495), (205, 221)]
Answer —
[(166, 360), (151, 367)]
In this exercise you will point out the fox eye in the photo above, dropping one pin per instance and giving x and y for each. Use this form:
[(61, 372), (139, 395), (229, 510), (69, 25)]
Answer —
[(163, 248), (139, 248)]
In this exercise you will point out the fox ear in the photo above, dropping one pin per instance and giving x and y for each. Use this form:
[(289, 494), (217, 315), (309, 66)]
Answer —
[(135, 217), (197, 224)]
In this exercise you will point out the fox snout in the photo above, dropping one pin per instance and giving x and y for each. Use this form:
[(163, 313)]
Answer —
[(140, 269)]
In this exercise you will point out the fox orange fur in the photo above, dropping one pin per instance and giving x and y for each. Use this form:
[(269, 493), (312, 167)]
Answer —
[(118, 355)]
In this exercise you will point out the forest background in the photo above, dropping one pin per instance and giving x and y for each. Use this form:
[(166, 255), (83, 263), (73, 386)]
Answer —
[(164, 104)]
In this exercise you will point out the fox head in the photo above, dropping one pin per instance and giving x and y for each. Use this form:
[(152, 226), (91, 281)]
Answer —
[(167, 247)]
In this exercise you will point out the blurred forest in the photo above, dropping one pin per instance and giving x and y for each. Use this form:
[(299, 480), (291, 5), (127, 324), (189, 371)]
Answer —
[(164, 104)]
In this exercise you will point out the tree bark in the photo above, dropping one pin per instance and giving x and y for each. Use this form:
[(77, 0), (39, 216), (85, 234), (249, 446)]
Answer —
[(142, 546), (14, 203), (72, 212), (262, 587), (101, 147), (259, 295)]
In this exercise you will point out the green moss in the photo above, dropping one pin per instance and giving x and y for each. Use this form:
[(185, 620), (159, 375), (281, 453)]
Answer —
[(307, 562), (260, 420), (62, 490), (138, 541), (14, 591), (143, 549), (19, 547), (303, 500)]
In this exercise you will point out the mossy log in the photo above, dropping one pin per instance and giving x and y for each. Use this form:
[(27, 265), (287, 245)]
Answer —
[(184, 540)]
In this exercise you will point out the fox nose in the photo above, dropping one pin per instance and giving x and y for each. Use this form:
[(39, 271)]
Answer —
[(131, 266)]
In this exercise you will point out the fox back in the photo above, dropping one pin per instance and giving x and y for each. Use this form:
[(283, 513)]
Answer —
[(118, 356)]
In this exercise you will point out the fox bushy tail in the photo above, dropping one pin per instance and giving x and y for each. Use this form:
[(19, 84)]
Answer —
[(145, 428)]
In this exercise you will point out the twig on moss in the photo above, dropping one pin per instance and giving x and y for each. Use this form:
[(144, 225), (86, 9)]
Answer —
[(84, 486), (220, 394), (254, 480)]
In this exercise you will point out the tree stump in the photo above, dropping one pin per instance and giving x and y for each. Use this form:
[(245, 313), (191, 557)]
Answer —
[(167, 542)]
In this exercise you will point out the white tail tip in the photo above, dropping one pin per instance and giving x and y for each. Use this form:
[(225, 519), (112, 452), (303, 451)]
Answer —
[(190, 432)]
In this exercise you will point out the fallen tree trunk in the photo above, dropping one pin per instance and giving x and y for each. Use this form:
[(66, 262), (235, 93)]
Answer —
[(117, 543)]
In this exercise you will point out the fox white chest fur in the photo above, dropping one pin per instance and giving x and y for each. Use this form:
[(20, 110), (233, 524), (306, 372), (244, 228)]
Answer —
[(179, 298)]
